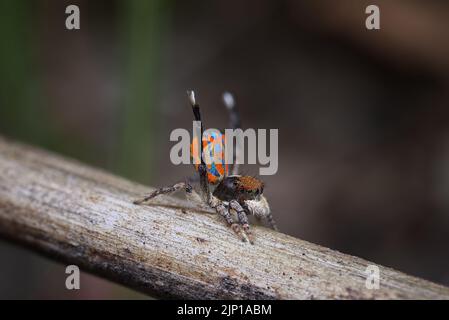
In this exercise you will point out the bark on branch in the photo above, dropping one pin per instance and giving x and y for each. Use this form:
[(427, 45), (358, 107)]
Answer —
[(85, 216)]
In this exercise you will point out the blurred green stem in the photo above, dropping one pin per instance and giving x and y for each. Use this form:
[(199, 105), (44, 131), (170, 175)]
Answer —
[(143, 26), (21, 115)]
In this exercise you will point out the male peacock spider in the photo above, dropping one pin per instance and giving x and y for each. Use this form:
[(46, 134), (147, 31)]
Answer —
[(232, 195)]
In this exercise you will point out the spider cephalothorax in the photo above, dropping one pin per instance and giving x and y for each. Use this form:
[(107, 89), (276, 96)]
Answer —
[(240, 188), (238, 194)]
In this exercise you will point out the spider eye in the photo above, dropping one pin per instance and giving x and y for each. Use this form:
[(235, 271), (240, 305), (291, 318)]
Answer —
[(232, 185)]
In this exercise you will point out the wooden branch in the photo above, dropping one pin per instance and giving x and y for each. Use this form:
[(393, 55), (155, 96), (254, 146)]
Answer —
[(85, 216)]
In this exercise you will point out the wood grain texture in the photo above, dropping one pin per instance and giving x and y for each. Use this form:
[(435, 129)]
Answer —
[(85, 216)]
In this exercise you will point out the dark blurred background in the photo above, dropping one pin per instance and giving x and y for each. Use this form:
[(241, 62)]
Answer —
[(363, 116)]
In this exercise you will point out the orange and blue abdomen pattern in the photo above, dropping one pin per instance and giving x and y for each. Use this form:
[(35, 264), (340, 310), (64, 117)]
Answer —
[(214, 156)]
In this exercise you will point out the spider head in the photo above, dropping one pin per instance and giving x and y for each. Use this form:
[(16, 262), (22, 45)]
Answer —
[(239, 188)]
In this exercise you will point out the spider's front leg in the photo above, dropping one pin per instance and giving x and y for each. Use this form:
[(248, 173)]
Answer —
[(224, 212), (243, 219)]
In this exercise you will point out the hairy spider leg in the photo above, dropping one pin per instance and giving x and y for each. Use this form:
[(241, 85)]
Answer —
[(234, 123), (165, 190), (202, 169), (243, 219)]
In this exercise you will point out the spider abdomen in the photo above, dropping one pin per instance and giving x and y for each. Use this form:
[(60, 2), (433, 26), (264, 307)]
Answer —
[(214, 156)]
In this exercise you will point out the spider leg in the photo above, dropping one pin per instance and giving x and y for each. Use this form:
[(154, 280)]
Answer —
[(234, 116), (224, 212), (268, 219), (268, 214), (243, 219), (202, 169), (165, 190), (261, 210), (271, 222), (234, 123)]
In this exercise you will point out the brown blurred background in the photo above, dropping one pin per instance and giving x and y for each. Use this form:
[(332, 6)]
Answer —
[(363, 116)]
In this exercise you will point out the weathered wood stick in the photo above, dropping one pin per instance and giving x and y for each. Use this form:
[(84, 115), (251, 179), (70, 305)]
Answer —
[(85, 216)]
